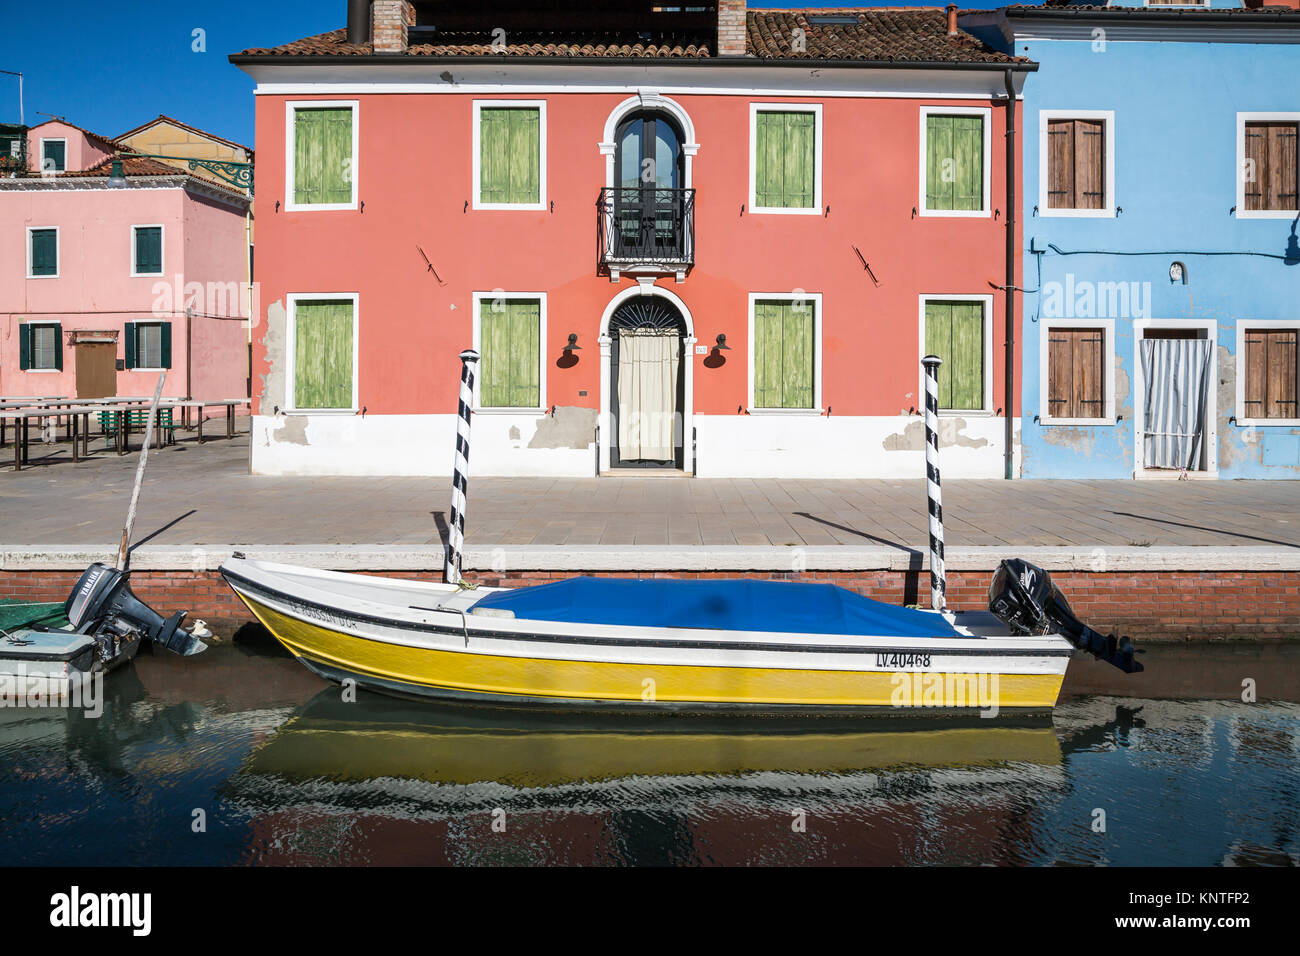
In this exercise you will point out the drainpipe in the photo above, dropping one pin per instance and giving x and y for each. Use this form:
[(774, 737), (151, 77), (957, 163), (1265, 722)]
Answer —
[(1009, 385)]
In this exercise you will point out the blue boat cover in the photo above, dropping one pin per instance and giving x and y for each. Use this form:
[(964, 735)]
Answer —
[(742, 605)]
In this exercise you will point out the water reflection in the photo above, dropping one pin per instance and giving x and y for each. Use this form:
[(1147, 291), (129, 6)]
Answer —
[(282, 771)]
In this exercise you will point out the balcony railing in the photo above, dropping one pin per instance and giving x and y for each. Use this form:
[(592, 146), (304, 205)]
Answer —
[(645, 227)]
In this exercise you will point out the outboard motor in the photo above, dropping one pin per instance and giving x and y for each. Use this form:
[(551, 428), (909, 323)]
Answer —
[(1023, 596), (103, 606)]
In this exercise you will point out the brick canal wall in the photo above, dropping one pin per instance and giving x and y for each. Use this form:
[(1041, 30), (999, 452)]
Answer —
[(1166, 605)]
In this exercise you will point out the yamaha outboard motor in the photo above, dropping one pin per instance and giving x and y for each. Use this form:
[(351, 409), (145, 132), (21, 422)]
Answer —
[(1023, 596), (103, 606)]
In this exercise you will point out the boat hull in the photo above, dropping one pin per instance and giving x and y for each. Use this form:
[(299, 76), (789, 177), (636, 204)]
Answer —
[(463, 659)]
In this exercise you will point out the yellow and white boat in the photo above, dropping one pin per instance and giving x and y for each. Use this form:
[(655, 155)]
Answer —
[(660, 644)]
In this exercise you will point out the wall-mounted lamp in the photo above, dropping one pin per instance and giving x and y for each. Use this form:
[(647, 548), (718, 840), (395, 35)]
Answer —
[(722, 342), (573, 345), (116, 178)]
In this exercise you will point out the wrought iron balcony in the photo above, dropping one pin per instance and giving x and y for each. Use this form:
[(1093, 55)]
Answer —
[(645, 229)]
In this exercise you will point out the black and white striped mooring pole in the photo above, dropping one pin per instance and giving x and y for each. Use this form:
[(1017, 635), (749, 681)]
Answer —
[(460, 468), (937, 585)]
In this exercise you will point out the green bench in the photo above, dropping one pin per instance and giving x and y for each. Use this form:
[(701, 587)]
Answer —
[(135, 422)]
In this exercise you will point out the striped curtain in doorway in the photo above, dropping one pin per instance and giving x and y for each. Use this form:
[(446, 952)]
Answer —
[(1177, 375)]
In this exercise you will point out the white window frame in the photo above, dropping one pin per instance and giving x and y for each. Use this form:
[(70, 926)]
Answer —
[(816, 109), (135, 330), (987, 300), (44, 371), (1175, 6), (476, 197), (1242, 120), (986, 115), (816, 299), (540, 409), (162, 240), (58, 251), (40, 159), (1244, 326), (291, 107), (1108, 119), (1211, 329), (1107, 378), (291, 350)]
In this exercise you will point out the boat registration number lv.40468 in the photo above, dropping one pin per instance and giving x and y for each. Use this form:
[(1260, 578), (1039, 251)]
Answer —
[(898, 661)]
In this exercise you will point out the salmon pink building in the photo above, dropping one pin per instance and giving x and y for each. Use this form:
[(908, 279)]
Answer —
[(695, 238), (112, 271)]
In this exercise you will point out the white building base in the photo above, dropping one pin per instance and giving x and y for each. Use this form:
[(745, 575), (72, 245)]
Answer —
[(727, 446)]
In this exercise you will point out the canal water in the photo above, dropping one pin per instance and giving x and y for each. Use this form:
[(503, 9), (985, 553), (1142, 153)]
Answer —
[(243, 757)]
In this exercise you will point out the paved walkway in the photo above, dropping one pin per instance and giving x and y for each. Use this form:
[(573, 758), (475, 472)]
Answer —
[(202, 495)]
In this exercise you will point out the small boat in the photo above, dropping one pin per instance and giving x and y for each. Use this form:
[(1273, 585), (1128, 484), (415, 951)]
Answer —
[(659, 644), (47, 651)]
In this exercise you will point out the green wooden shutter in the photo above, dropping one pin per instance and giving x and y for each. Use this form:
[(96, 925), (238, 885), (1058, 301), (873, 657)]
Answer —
[(58, 346), (323, 355), (45, 252), (968, 156), (525, 324), (938, 341), (129, 335), (769, 149), (148, 250), (954, 162), (783, 355), (800, 169), (323, 158), (954, 331), (166, 348), (967, 375), (494, 340), (510, 155), (938, 148), (24, 347)]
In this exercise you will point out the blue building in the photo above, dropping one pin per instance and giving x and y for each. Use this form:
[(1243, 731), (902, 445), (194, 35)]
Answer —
[(1162, 271)]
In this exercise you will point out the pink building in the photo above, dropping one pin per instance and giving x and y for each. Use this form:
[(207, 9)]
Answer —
[(106, 280)]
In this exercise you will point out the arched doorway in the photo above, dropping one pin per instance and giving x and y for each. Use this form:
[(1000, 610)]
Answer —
[(647, 363)]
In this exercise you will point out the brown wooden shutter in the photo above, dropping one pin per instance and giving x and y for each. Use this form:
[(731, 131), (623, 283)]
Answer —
[(1281, 374), (1075, 373), (1060, 164), (1271, 166), (1089, 164)]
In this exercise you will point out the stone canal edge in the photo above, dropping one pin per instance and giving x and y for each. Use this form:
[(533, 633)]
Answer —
[(1150, 593)]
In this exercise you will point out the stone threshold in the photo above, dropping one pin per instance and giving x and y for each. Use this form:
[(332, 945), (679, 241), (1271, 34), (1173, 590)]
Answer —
[(651, 558)]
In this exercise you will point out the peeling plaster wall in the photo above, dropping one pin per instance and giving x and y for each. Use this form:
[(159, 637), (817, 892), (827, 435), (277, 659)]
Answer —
[(1180, 215)]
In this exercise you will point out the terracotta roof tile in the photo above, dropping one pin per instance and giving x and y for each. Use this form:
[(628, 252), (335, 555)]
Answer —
[(131, 166), (880, 34)]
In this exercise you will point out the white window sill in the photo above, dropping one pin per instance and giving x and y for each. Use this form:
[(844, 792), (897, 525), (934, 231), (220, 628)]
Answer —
[(786, 210), (55, 276), (510, 207), (319, 411), (963, 413), (1076, 213), (955, 213), (141, 368), (500, 410), (1266, 213), (42, 370), (320, 207), (789, 412), (147, 275), (1100, 422), (1268, 422)]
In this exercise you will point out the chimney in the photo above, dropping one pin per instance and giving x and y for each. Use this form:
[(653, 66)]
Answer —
[(390, 20), (358, 21), (952, 19), (731, 28)]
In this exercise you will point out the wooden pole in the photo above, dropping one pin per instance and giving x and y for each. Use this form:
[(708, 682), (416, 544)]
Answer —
[(460, 469), (938, 581), (124, 549)]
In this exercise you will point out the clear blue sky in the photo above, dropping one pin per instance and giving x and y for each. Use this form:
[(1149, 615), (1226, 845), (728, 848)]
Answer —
[(111, 66)]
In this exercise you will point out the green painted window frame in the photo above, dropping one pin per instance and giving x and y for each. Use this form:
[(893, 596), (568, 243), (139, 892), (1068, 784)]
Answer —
[(509, 154), (63, 143), (960, 136), (316, 319), (317, 140), (27, 351), (785, 158), (136, 232), (133, 346), (785, 353), (945, 329), (48, 271), (516, 324)]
